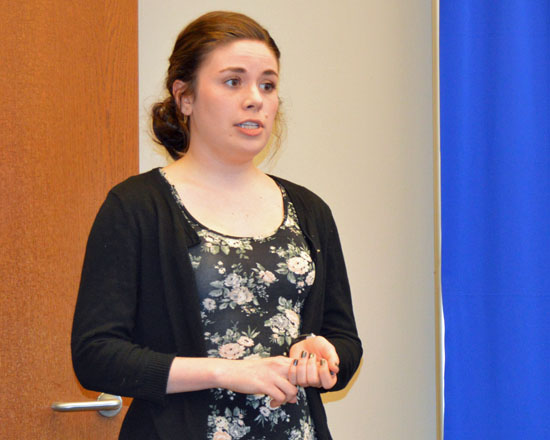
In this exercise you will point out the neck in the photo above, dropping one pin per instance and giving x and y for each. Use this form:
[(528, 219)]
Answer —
[(213, 171)]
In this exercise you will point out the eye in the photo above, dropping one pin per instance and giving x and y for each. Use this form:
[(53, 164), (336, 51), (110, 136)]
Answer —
[(233, 82), (268, 86)]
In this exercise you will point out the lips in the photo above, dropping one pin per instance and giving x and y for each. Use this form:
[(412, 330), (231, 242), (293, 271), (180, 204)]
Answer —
[(251, 128), (250, 124)]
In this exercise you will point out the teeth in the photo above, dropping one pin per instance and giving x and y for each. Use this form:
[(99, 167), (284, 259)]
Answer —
[(249, 125)]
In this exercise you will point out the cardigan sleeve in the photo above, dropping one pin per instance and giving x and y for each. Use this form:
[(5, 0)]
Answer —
[(338, 324), (105, 355)]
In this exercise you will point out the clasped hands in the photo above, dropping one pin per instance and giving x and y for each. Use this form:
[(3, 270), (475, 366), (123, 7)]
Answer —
[(314, 363)]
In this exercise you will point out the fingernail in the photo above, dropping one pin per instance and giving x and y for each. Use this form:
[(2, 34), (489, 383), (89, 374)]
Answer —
[(311, 355), (295, 362), (304, 354), (337, 364), (332, 373), (323, 361)]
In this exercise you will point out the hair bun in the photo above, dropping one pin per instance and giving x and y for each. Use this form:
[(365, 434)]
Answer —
[(169, 129)]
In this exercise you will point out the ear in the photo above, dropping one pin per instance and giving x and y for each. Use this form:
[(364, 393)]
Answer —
[(184, 99)]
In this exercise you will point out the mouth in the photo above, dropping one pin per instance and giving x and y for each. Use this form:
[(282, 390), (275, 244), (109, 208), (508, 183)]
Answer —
[(250, 125)]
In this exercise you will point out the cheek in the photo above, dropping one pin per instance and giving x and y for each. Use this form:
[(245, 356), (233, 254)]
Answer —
[(212, 113), (273, 107)]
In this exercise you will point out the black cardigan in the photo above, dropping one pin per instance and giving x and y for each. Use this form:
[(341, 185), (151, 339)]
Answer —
[(137, 308)]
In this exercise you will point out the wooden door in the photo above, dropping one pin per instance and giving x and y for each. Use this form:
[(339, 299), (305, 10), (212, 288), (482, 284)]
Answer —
[(68, 132)]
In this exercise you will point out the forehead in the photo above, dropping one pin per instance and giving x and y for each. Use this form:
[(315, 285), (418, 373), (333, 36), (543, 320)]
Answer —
[(247, 54)]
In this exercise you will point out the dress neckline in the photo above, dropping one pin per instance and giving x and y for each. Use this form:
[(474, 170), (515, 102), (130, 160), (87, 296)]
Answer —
[(194, 222)]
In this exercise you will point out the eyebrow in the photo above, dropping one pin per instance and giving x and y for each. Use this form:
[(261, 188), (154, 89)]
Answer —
[(241, 70)]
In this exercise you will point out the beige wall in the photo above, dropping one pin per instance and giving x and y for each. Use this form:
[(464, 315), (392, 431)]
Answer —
[(357, 91)]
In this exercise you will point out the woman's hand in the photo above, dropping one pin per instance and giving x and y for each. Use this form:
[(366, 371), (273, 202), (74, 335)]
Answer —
[(267, 376), (315, 363)]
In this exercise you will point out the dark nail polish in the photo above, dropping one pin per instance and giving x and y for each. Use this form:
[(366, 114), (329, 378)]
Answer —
[(332, 373), (323, 361), (295, 362), (304, 354), (311, 355)]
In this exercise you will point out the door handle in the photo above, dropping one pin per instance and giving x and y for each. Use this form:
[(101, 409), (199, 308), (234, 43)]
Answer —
[(106, 404)]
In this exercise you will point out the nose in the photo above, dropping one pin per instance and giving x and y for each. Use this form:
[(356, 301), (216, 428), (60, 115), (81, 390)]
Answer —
[(253, 99)]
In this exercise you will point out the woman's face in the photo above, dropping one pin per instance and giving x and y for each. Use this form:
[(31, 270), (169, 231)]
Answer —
[(235, 101)]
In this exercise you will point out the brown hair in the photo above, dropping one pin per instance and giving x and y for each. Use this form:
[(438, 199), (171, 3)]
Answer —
[(193, 44)]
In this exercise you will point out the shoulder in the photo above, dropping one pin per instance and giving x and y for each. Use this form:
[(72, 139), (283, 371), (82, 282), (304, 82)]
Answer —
[(144, 193), (141, 196), (144, 203), (140, 186)]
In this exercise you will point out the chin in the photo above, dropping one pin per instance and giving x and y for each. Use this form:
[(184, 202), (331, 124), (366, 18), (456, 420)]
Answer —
[(249, 152)]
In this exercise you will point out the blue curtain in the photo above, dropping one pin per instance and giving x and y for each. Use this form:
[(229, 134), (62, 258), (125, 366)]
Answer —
[(495, 189)]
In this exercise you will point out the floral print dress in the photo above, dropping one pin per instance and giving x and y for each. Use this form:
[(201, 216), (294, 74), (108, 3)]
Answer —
[(251, 293)]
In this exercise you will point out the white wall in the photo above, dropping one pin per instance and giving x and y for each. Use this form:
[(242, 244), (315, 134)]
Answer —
[(357, 90)]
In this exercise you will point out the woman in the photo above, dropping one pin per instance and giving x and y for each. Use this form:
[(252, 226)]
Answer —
[(205, 283)]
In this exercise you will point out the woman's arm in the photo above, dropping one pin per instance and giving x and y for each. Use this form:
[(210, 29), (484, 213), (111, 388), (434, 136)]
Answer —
[(105, 355), (267, 376)]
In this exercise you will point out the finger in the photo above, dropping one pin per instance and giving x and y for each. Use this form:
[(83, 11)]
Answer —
[(334, 361), (312, 371), (301, 370), (333, 367), (289, 390), (327, 378), (296, 350), (292, 396), (274, 404), (328, 352), (276, 396), (292, 371)]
